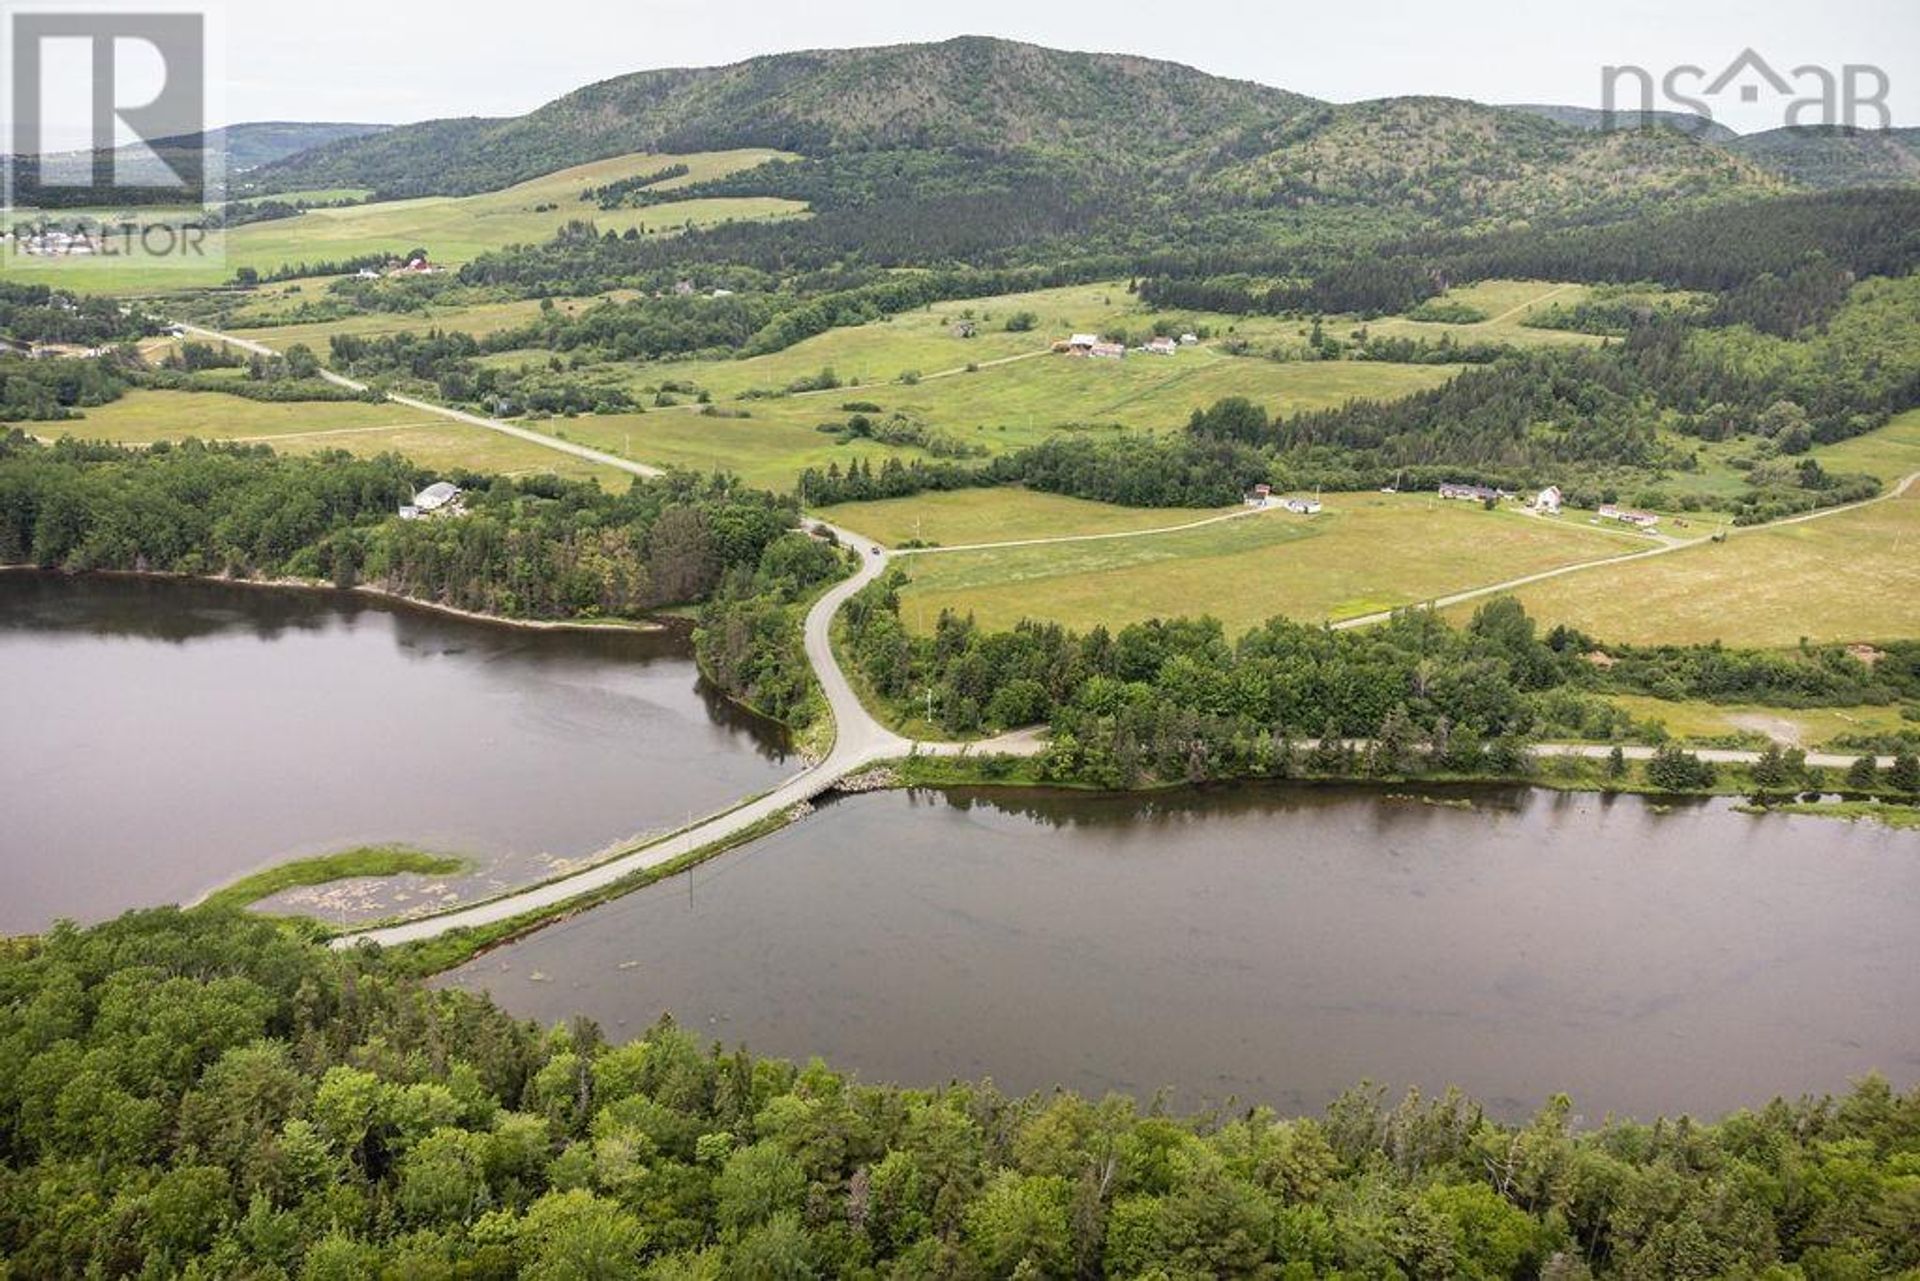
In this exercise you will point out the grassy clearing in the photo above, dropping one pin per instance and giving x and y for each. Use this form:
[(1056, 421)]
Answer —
[(435, 443), (141, 417), (1366, 552), (922, 340), (999, 408), (764, 453), (1506, 303), (479, 320), (998, 515), (1018, 404), (1852, 576), (1033, 391), (1792, 727), (1891, 453), (442, 445), (370, 860), (452, 229)]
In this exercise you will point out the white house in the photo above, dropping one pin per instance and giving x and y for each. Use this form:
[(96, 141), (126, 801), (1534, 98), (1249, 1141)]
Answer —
[(1083, 344), (1188, 340), (1163, 346), (1302, 506), (1550, 500)]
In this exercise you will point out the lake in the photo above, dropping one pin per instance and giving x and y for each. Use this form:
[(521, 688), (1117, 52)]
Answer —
[(1275, 945), (160, 738)]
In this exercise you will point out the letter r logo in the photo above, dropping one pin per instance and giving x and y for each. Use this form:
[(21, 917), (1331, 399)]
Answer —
[(91, 88)]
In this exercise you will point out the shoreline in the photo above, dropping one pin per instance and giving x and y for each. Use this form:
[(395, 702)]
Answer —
[(441, 952), (646, 626)]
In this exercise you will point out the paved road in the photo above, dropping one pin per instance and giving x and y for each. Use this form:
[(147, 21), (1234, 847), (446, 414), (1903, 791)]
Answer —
[(859, 739)]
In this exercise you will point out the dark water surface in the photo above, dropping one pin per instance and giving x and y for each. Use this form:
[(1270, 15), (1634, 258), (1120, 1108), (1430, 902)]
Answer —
[(158, 738), (1276, 946)]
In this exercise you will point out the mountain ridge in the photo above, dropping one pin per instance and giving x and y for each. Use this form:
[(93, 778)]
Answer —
[(1101, 121)]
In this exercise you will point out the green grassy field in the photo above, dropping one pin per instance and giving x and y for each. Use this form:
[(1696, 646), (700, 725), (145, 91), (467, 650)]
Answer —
[(998, 515), (1852, 576), (452, 229), (479, 319), (922, 340), (1366, 552), (1891, 453), (998, 407), (436, 443), (1142, 390), (764, 453), (1505, 303), (140, 417)]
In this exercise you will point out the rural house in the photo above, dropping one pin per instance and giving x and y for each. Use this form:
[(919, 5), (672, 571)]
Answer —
[(1163, 346), (1549, 500), (1628, 516), (1471, 493)]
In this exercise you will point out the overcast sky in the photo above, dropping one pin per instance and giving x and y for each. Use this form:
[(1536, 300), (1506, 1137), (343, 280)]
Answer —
[(378, 60)]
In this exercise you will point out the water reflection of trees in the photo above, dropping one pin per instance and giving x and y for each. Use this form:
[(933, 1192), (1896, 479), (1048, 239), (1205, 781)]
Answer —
[(178, 611), (175, 611), (1386, 808)]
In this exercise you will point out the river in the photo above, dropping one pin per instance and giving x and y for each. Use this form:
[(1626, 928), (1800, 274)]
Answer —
[(1277, 945), (160, 738)]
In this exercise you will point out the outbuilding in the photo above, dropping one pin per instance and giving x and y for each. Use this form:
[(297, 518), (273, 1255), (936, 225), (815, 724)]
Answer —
[(441, 496)]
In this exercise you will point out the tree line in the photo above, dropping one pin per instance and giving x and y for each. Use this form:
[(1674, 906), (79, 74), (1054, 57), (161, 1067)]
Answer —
[(529, 547), (1170, 701), (204, 1094)]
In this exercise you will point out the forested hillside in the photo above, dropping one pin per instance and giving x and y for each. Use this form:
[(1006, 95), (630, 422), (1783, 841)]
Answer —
[(200, 1094), (1109, 128), (969, 94)]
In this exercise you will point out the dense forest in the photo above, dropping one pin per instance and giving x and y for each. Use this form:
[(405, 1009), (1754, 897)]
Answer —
[(202, 1094), (1719, 247), (533, 547)]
